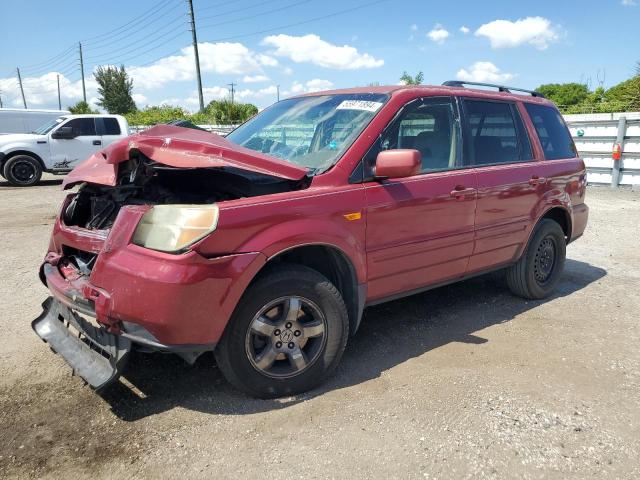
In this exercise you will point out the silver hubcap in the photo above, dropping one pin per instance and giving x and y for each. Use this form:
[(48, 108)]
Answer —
[(286, 337)]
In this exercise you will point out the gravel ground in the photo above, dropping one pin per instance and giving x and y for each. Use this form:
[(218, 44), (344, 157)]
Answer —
[(465, 381)]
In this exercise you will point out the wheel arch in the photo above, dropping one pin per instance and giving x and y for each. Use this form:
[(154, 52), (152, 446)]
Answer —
[(332, 262), (14, 153)]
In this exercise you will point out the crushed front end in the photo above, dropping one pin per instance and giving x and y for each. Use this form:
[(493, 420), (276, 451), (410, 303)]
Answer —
[(117, 284)]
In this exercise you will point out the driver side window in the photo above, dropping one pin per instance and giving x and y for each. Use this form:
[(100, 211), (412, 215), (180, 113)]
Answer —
[(82, 127), (427, 125)]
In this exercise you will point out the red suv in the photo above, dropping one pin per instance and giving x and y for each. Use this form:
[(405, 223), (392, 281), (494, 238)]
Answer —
[(265, 246)]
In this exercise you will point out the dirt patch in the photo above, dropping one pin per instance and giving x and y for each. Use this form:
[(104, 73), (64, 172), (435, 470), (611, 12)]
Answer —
[(466, 381)]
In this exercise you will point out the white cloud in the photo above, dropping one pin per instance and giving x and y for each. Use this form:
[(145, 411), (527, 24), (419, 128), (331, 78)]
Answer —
[(255, 78), (139, 98), (629, 3), (42, 91), (536, 31), (221, 58), (483, 72), (314, 85), (438, 34), (413, 28), (249, 94), (311, 48), (464, 29)]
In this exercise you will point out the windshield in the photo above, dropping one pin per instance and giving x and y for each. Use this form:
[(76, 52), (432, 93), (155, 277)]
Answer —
[(47, 127), (312, 132)]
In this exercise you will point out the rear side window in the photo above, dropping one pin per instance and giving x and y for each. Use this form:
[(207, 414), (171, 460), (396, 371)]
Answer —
[(108, 126), (553, 133), (494, 134), (82, 126)]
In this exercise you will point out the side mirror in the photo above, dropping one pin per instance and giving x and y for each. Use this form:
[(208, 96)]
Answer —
[(64, 133), (399, 163)]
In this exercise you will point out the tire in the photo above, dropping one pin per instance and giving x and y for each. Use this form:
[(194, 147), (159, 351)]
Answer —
[(22, 171), (307, 344), (538, 270)]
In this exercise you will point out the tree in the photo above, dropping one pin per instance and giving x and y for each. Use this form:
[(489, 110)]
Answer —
[(115, 89), (225, 112), (80, 108), (409, 80), (565, 94), (626, 94)]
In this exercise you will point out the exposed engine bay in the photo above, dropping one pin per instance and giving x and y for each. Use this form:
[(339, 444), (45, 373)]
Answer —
[(141, 181)]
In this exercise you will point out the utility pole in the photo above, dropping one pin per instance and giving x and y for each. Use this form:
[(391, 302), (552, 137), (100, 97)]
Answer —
[(278, 93), (24, 101), (232, 90), (59, 103), (84, 90), (195, 52), (0, 98)]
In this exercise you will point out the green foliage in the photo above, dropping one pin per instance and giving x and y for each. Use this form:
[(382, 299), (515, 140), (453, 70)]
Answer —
[(577, 98), (217, 112), (156, 114), (81, 107), (225, 112), (115, 89), (409, 80), (566, 94)]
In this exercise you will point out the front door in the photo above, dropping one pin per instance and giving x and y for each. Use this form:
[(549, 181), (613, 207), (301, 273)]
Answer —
[(67, 153), (420, 229)]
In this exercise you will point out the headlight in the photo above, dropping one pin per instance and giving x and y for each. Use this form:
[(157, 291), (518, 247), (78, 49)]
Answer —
[(172, 228)]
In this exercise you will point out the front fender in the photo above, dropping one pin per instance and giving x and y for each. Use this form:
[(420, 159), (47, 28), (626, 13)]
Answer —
[(29, 148)]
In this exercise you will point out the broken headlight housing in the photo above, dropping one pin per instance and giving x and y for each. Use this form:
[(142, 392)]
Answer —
[(173, 228)]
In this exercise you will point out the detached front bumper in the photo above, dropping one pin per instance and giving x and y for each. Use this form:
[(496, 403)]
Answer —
[(94, 354)]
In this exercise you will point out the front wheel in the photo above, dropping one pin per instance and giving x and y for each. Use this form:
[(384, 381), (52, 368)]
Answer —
[(538, 271), (22, 171), (286, 335)]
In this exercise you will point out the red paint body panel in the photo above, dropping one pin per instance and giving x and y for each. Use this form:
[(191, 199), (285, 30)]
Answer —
[(412, 232)]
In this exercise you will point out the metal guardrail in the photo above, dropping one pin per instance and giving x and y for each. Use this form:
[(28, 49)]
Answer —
[(596, 136)]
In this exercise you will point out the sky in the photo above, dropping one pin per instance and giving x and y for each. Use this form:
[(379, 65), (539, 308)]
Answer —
[(301, 46)]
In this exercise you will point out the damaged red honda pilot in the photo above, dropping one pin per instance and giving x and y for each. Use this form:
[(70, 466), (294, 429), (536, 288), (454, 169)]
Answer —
[(265, 246)]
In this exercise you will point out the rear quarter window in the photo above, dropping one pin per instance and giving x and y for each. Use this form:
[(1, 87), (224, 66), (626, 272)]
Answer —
[(553, 133), (108, 126)]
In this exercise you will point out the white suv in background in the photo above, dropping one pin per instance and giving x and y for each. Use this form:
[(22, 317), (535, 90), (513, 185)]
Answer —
[(57, 146)]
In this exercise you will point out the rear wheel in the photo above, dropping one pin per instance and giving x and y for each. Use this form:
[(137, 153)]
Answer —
[(538, 271), (22, 171), (287, 334)]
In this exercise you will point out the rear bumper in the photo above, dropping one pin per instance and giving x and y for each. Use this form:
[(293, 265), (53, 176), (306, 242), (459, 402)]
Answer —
[(580, 216), (94, 354)]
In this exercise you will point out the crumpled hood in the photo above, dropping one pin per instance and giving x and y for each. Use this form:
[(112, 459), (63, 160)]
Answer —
[(19, 137), (181, 148)]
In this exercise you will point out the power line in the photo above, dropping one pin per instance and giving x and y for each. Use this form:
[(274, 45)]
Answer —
[(138, 18), (304, 22), (139, 54), (248, 17), (259, 4), (217, 5), (38, 66), (131, 48), (127, 36)]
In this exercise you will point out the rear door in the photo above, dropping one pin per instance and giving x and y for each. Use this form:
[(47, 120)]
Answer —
[(498, 147), (109, 129), (67, 153), (420, 229)]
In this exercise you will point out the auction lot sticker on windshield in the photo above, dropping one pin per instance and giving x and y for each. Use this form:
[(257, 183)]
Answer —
[(359, 105)]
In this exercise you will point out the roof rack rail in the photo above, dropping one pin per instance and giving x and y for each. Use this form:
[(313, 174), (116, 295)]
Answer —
[(501, 88)]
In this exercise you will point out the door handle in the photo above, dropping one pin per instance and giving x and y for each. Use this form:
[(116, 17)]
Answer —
[(97, 142), (536, 180), (460, 192)]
